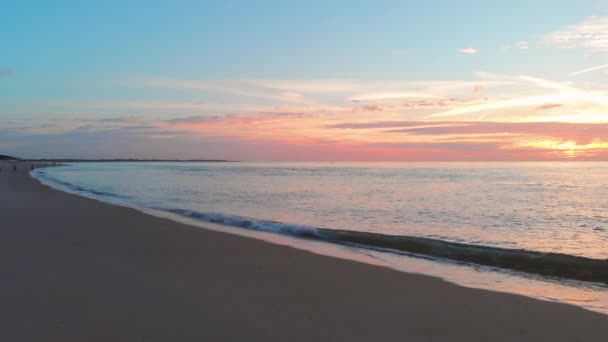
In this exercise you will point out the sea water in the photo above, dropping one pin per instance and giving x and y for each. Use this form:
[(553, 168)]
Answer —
[(538, 229)]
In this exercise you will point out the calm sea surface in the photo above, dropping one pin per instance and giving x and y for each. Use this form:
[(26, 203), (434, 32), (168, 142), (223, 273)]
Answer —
[(543, 207)]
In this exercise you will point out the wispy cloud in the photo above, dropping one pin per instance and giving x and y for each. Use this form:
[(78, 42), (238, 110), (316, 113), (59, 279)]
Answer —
[(468, 50), (590, 34), (236, 119), (518, 45), (371, 108), (392, 96), (522, 45), (548, 106), (375, 124), (560, 93), (235, 87), (308, 86), (603, 66), (581, 132)]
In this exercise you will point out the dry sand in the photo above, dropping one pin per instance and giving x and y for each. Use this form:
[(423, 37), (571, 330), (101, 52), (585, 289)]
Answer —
[(74, 269)]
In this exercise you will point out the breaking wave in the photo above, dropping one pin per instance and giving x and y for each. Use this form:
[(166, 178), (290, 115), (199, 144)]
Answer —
[(534, 262)]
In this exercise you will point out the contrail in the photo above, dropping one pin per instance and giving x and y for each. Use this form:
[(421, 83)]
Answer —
[(590, 69)]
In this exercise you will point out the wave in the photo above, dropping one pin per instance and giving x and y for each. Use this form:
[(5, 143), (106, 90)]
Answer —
[(249, 223), (533, 262), (44, 177)]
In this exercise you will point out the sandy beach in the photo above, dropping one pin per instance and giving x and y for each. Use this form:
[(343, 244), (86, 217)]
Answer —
[(75, 269)]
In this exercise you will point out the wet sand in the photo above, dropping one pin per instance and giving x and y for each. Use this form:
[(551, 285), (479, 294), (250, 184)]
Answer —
[(75, 269)]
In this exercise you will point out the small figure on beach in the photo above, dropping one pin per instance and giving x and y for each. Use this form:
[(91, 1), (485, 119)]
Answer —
[(32, 167), (14, 167)]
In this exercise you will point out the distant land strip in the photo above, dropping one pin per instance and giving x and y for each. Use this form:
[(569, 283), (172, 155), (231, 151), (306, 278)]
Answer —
[(124, 160)]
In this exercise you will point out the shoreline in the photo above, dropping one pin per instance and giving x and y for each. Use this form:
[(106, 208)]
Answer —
[(80, 269), (586, 294)]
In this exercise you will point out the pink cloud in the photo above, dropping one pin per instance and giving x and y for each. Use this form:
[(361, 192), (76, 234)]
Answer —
[(548, 106), (237, 118), (370, 108), (579, 132)]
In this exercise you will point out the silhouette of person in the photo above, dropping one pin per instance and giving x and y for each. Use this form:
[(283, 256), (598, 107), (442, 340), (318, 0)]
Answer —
[(14, 167)]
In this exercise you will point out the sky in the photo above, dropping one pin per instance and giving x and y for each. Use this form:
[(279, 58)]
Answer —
[(305, 81)]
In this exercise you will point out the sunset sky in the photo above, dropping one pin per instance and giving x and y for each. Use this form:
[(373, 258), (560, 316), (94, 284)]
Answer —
[(309, 80)]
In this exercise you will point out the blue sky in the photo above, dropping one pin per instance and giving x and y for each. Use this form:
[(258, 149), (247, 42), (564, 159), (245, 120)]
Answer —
[(276, 39), (66, 68)]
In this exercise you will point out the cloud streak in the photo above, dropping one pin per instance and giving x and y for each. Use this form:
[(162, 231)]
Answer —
[(581, 132), (235, 87), (599, 67), (468, 50), (392, 96), (562, 93), (236, 119), (591, 34)]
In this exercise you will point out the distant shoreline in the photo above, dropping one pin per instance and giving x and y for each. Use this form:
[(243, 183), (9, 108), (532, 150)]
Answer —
[(127, 160)]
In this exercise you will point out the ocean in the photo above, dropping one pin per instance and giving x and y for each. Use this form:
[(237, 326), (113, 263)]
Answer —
[(536, 229)]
